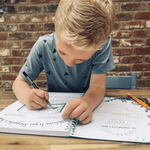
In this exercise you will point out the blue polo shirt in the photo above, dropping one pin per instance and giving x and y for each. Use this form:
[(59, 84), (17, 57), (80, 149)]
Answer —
[(60, 77)]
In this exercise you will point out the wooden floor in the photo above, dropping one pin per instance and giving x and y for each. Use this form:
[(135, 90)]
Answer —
[(28, 142)]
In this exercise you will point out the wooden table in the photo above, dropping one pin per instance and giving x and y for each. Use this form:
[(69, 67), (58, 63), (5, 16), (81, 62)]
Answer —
[(28, 142)]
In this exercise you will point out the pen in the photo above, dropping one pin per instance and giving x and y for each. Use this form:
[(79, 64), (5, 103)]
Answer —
[(34, 85), (139, 101)]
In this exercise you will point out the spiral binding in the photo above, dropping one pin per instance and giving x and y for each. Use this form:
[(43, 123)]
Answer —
[(72, 123)]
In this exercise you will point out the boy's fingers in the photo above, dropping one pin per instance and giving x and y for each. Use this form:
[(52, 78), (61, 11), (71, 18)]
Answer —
[(40, 97), (78, 111), (36, 105), (87, 120), (40, 101), (84, 115), (40, 93), (46, 96), (70, 107)]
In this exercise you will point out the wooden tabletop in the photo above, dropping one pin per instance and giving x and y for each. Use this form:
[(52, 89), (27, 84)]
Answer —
[(29, 142)]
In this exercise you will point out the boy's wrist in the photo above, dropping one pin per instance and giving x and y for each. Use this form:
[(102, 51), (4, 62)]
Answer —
[(94, 97)]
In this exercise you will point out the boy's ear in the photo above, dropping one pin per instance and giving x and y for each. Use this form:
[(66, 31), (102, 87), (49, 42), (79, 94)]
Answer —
[(53, 19)]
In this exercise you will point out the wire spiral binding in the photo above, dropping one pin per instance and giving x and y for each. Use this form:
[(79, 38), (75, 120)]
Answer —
[(74, 123), (71, 125)]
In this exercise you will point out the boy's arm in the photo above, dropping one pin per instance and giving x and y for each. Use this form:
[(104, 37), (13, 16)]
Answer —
[(32, 98), (81, 108), (96, 91)]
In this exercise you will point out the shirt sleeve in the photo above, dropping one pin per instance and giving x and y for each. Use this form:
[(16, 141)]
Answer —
[(103, 60), (33, 65)]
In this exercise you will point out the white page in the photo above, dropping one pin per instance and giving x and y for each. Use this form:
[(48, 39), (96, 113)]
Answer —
[(16, 118), (120, 120)]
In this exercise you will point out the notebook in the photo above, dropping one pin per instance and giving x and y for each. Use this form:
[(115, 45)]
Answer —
[(116, 119)]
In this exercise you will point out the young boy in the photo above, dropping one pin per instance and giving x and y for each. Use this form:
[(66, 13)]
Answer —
[(75, 58)]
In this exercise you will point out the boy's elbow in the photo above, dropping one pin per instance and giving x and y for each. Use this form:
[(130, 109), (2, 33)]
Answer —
[(16, 82), (13, 85)]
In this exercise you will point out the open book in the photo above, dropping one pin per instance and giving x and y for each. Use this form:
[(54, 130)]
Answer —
[(114, 119)]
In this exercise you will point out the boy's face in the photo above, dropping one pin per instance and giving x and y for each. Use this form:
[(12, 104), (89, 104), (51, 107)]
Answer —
[(70, 55)]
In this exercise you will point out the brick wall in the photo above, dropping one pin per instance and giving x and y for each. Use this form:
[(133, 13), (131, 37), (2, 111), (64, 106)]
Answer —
[(25, 20)]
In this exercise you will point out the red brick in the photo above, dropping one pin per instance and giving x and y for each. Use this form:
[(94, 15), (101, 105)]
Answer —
[(132, 25), (10, 27), (143, 83), (141, 0), (148, 6), (29, 9), (132, 42), (141, 33), (21, 53), (116, 59), (141, 51), (116, 6), (50, 8), (147, 59), (122, 0), (9, 61), (42, 84), (15, 68), (139, 75), (147, 24), (3, 45), (12, 18), (124, 74), (122, 51), (41, 1), (4, 52), (49, 26), (28, 44), (141, 67), (41, 77), (115, 42), (41, 18), (124, 17), (116, 26), (121, 34), (10, 9), (3, 36), (24, 18), (133, 6), (122, 68), (6, 84), (131, 59), (146, 75), (36, 35), (142, 16), (2, 19), (148, 42), (4, 69), (17, 1), (19, 36), (13, 44), (8, 77), (24, 60), (30, 27)]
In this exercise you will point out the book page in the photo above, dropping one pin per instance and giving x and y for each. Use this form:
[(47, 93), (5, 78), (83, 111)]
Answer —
[(119, 120), (16, 118)]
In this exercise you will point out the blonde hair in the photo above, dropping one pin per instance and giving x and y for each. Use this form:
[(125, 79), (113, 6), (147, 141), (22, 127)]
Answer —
[(86, 24)]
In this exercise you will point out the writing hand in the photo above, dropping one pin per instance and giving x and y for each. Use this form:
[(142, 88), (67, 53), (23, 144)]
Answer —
[(79, 109), (36, 99)]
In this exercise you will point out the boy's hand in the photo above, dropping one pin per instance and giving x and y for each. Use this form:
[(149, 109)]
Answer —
[(79, 109), (36, 99)]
